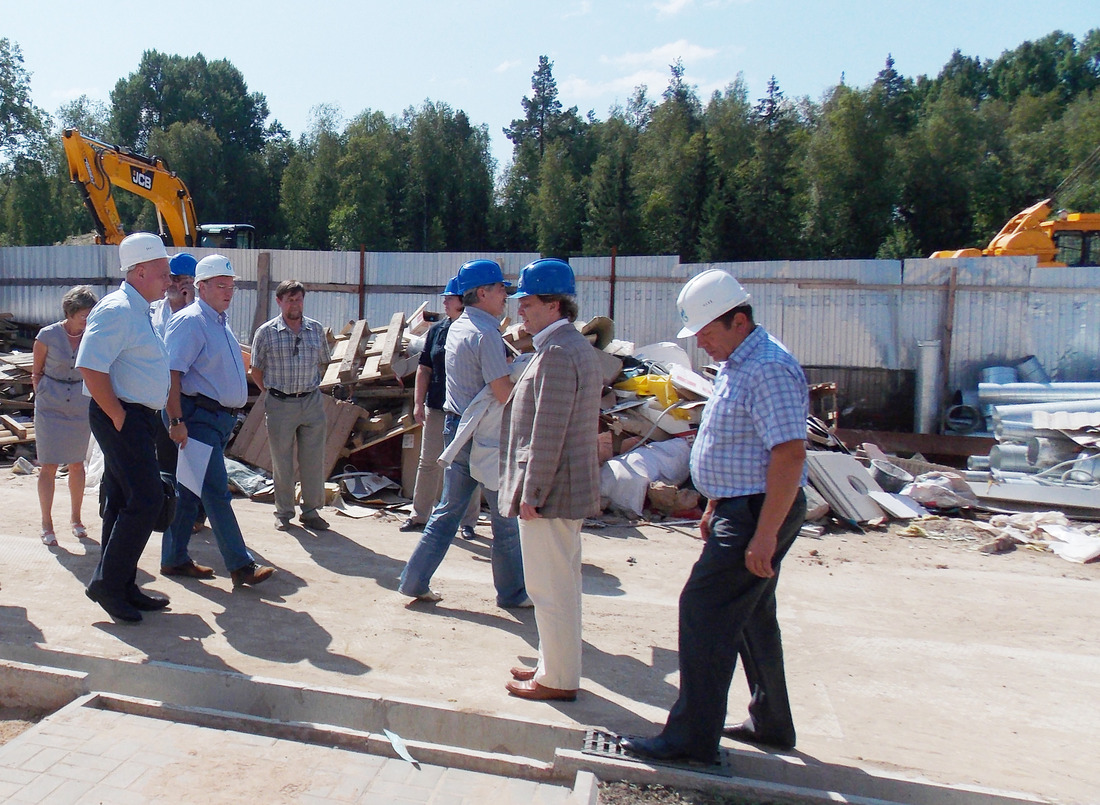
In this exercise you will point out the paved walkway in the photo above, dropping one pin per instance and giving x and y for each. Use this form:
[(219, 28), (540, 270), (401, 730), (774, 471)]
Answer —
[(86, 755)]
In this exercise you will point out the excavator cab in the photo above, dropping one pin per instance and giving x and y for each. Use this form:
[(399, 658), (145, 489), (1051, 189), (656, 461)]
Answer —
[(1076, 237), (227, 236)]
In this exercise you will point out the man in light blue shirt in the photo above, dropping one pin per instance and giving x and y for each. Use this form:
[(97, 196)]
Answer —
[(749, 460), (208, 388), (476, 360), (125, 370)]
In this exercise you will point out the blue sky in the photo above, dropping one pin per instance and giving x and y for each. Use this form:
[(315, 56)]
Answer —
[(479, 56)]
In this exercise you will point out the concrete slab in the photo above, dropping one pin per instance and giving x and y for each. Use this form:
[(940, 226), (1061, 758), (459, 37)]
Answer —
[(918, 658)]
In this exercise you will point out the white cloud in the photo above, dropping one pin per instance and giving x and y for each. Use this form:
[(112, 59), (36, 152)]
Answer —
[(583, 9), (621, 87), (663, 55), (670, 8), (505, 66)]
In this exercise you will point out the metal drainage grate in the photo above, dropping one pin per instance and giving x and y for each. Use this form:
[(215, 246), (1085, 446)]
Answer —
[(606, 744)]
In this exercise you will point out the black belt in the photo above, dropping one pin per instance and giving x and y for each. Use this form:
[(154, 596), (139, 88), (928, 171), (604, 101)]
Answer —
[(282, 395), (212, 405)]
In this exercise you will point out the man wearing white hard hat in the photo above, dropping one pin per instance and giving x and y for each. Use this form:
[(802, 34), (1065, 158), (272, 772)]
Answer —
[(125, 370), (208, 389), (748, 459)]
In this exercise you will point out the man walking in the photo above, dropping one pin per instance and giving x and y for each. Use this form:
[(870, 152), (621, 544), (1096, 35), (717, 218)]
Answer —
[(125, 371), (478, 385), (208, 388), (549, 473), (289, 353), (748, 459)]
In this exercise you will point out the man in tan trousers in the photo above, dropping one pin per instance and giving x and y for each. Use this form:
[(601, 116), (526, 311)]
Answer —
[(549, 473)]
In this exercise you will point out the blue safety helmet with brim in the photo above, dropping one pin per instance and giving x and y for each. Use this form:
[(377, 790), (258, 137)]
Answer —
[(452, 287), (548, 275), (182, 265), (476, 273)]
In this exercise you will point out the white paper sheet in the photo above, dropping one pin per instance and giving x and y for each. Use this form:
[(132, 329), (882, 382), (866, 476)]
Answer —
[(191, 465)]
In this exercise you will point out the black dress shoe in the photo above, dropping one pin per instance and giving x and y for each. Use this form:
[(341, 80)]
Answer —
[(658, 748), (115, 607), (411, 525), (746, 734), (146, 602)]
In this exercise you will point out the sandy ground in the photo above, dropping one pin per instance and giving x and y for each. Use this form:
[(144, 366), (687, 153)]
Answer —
[(920, 656)]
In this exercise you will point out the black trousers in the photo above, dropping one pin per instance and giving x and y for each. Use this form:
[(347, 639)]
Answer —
[(724, 611), (133, 494)]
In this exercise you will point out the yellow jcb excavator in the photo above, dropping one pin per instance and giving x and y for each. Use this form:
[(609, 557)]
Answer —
[(1067, 239), (98, 167)]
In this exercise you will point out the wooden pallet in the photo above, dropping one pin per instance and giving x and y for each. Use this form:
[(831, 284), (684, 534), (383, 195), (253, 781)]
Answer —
[(13, 431)]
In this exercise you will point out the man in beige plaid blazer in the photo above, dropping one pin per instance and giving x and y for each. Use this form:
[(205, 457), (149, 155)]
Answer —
[(549, 473)]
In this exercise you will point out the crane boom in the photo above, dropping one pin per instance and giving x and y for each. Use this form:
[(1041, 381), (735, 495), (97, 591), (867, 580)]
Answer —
[(98, 167)]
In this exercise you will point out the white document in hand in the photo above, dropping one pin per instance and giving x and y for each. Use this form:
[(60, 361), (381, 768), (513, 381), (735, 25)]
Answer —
[(191, 465)]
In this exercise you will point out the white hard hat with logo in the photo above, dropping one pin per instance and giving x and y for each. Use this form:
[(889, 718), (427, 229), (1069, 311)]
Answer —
[(213, 265), (140, 247), (707, 296)]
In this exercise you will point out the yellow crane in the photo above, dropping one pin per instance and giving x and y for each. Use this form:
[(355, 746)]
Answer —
[(97, 168)]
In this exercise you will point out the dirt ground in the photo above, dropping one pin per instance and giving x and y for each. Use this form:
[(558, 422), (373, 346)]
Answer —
[(915, 655)]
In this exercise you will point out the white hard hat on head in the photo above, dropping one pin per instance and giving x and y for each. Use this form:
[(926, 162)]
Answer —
[(140, 247), (213, 265), (707, 296)]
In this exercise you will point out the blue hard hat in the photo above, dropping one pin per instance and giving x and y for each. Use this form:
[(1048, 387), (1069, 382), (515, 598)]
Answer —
[(476, 273), (182, 264), (452, 287), (546, 276)]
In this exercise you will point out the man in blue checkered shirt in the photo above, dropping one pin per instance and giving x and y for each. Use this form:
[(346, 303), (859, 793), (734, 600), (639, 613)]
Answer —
[(748, 459)]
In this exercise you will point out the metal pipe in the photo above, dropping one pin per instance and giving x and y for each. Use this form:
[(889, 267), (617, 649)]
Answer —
[(1022, 412), (1043, 452), (1010, 458), (1000, 393), (928, 386), (1030, 370), (1012, 431), (978, 463)]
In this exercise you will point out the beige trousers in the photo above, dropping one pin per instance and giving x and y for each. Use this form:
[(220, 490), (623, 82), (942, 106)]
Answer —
[(552, 572)]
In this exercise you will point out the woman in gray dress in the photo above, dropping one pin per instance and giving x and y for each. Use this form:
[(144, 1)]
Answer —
[(60, 409)]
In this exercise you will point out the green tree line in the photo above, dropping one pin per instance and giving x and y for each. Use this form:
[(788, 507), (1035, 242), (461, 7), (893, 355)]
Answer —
[(898, 168)]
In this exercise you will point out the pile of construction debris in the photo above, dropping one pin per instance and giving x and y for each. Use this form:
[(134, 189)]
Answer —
[(16, 401)]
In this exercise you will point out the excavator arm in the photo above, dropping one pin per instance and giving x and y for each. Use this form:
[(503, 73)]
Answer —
[(98, 167)]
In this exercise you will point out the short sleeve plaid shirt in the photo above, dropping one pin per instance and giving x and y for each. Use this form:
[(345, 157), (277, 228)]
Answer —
[(760, 400), (291, 362)]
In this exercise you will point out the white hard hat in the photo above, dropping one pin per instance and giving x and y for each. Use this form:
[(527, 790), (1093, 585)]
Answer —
[(707, 296), (140, 247), (213, 265)]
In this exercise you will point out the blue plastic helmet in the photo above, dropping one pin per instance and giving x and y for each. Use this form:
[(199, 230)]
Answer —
[(182, 265), (452, 287), (476, 273), (546, 276)]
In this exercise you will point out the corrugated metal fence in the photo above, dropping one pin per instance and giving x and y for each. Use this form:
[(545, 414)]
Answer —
[(852, 313)]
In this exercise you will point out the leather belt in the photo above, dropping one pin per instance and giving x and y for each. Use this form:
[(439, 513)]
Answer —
[(282, 395), (212, 405)]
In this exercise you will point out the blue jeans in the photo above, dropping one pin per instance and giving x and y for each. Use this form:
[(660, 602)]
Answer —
[(458, 488), (212, 428)]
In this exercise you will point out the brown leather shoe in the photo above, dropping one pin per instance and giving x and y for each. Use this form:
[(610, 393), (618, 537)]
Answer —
[(190, 568), (540, 693), (251, 574), (522, 673)]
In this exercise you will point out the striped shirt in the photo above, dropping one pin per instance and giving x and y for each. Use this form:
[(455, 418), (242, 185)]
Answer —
[(291, 362), (760, 400)]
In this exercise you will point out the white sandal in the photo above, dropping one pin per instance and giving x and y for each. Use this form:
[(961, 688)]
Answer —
[(79, 531), (48, 537)]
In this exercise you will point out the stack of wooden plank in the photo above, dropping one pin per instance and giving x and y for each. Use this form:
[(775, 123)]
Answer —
[(16, 404), (368, 392)]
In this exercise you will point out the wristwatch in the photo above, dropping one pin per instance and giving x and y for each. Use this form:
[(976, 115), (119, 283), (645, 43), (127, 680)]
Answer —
[(173, 422)]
